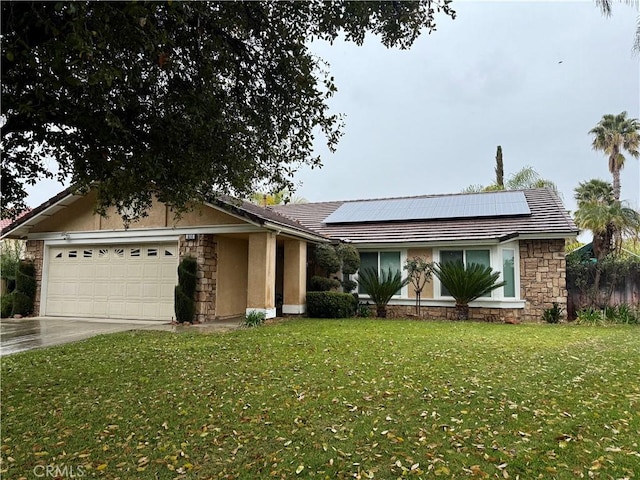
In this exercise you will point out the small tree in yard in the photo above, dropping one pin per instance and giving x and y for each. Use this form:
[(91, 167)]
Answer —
[(465, 284), (419, 272), (381, 287)]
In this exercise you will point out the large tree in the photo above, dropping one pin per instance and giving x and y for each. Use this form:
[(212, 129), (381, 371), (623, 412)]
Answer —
[(608, 219), (179, 99), (613, 135)]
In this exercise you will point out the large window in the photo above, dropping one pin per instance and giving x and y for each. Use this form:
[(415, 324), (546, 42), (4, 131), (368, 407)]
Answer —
[(381, 262), (482, 257)]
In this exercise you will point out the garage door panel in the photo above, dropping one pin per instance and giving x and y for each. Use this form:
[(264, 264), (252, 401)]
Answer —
[(130, 281)]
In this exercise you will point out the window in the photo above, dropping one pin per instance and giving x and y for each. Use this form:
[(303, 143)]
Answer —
[(152, 252), (87, 253), (168, 253), (482, 257), (118, 252), (381, 262), (72, 254), (509, 272), (103, 252), (135, 252)]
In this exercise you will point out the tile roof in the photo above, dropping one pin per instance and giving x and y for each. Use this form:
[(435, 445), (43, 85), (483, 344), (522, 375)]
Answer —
[(548, 218)]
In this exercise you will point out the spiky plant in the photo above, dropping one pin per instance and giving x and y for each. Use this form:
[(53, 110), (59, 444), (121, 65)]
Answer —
[(381, 287), (466, 283)]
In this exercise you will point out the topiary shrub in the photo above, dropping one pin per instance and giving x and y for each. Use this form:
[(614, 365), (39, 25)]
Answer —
[(185, 291), (323, 284), (22, 304), (331, 305), (26, 278), (6, 305)]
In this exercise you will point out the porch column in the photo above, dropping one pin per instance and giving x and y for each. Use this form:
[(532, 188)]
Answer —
[(262, 274), (295, 277)]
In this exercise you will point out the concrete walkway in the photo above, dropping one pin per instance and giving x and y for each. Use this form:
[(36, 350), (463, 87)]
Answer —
[(19, 335)]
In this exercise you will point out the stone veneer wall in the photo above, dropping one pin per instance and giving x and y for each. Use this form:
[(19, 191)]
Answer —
[(34, 250), (205, 249), (543, 276), (542, 281)]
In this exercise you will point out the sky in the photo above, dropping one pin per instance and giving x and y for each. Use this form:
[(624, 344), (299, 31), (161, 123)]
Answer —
[(533, 77)]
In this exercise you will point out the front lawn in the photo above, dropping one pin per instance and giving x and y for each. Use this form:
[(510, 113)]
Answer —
[(330, 399)]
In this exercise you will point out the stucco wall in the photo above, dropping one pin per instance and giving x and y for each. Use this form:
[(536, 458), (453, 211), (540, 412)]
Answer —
[(80, 217), (233, 267)]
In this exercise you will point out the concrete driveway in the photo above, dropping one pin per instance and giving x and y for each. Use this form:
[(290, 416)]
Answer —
[(19, 335)]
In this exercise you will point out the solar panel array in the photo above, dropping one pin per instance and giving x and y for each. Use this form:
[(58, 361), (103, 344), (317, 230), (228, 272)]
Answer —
[(494, 204)]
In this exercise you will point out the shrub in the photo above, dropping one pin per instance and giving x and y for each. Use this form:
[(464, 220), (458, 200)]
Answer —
[(185, 291), (590, 316), (254, 318), (381, 288), (466, 283), (553, 314), (6, 305), (331, 305), (327, 258), (323, 284), (22, 304), (364, 310), (26, 278)]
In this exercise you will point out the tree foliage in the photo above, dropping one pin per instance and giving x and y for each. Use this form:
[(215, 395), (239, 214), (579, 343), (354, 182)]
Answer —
[(419, 272), (176, 99), (609, 220), (613, 135), (466, 283), (381, 288)]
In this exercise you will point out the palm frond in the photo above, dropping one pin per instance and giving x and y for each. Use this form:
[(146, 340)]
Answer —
[(466, 283), (381, 288)]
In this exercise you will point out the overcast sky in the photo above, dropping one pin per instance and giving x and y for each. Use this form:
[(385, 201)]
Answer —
[(534, 77)]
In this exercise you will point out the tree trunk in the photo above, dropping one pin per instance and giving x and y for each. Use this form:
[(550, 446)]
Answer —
[(462, 312), (615, 172), (381, 311)]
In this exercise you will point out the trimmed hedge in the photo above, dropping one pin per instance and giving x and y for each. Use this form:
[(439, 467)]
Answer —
[(331, 305)]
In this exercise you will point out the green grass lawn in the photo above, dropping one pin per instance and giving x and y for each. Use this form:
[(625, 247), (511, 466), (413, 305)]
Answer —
[(330, 399)]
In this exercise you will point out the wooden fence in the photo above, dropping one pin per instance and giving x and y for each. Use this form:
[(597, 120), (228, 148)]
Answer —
[(624, 290)]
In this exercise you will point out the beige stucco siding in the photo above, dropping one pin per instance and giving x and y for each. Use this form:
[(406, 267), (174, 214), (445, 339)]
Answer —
[(80, 217), (427, 255), (233, 267), (77, 217), (204, 216)]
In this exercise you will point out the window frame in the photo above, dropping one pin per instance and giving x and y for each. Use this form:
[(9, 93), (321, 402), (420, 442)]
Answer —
[(496, 255), (403, 257)]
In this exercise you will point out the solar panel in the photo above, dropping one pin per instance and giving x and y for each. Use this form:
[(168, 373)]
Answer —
[(493, 204)]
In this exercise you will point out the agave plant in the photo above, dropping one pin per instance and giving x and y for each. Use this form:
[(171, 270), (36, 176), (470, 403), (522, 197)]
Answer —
[(466, 283), (381, 287)]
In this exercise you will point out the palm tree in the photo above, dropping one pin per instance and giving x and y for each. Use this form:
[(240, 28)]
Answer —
[(381, 287), (608, 219), (613, 135), (465, 284), (523, 179)]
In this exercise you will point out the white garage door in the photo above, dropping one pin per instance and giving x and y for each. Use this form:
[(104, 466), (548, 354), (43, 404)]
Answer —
[(112, 281)]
